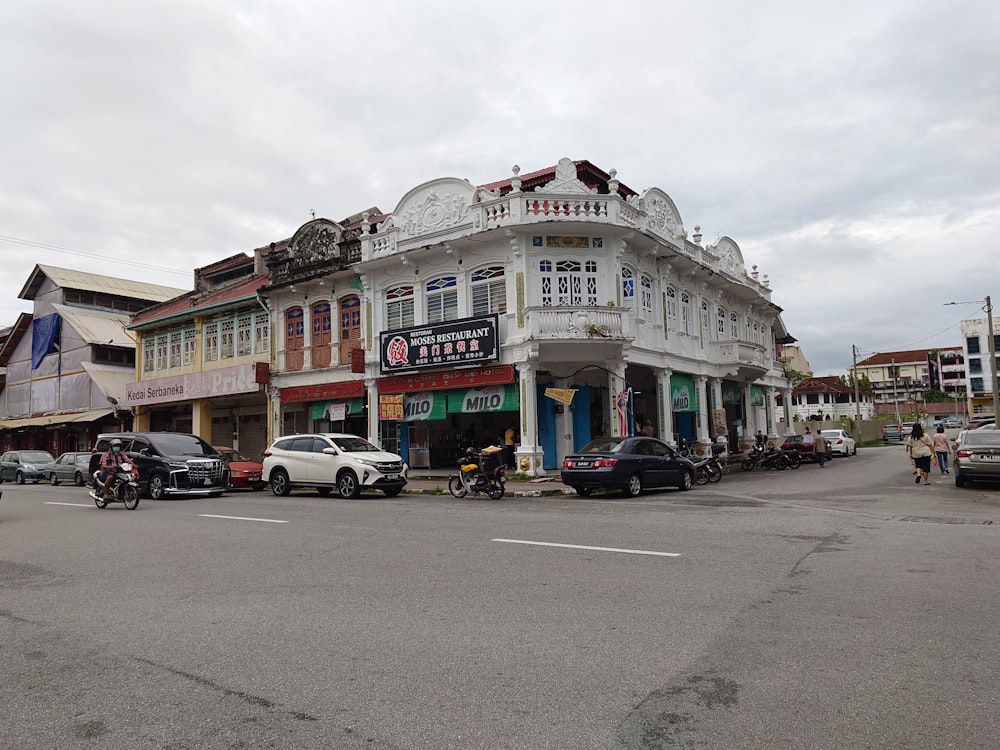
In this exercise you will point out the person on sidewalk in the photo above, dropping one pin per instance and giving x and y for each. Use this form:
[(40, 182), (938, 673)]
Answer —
[(942, 448), (919, 446), (820, 442)]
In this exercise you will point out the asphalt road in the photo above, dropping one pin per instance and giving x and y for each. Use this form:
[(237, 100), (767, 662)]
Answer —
[(842, 607)]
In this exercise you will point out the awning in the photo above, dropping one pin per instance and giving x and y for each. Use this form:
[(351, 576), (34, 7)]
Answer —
[(55, 419)]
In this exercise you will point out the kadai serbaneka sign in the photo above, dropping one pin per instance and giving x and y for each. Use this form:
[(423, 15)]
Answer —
[(454, 343)]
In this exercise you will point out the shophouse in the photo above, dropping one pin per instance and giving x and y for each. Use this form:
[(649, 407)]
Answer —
[(315, 298), (204, 358), (67, 363), (567, 305), (982, 373)]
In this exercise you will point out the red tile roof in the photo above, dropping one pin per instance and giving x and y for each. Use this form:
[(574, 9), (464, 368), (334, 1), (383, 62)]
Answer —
[(900, 358), (586, 172), (193, 302), (824, 384)]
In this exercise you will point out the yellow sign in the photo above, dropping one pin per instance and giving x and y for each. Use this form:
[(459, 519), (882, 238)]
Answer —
[(719, 422), (562, 395), (390, 406)]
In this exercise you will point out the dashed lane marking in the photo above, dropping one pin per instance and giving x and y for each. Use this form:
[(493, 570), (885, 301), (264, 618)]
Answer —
[(75, 505), (583, 546), (242, 518)]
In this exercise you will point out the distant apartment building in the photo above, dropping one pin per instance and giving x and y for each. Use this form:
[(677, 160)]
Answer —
[(899, 381), (976, 350), (829, 398)]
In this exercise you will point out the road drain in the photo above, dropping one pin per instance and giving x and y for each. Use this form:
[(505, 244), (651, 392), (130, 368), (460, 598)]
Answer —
[(939, 519)]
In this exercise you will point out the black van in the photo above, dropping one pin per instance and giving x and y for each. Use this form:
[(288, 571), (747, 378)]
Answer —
[(169, 463)]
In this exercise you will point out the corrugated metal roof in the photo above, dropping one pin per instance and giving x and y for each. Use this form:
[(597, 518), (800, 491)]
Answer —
[(192, 303), (110, 379), (93, 282), (97, 326)]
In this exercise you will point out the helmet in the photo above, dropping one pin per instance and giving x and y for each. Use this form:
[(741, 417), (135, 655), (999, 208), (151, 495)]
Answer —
[(116, 443)]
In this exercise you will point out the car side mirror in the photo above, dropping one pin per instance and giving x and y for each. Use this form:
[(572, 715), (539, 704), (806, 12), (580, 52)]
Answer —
[(330, 451), (144, 452)]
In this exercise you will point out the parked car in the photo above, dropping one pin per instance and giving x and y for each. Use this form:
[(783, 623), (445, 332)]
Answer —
[(978, 458), (977, 422), (841, 444), (331, 460), (949, 422), (906, 429), (629, 464), (807, 451), (985, 426), (69, 467), (891, 432), (24, 466), (169, 463), (243, 473)]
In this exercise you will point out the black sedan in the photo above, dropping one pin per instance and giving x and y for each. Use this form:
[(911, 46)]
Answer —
[(629, 464)]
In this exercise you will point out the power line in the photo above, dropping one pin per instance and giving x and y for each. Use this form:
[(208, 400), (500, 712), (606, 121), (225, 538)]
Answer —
[(116, 259)]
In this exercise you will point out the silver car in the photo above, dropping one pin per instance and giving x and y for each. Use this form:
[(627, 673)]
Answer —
[(977, 458), (69, 467)]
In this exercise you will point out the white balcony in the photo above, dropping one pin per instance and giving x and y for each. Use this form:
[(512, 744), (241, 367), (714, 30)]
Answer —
[(577, 323), (745, 358)]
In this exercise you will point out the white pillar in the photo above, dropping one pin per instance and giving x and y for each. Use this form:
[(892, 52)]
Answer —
[(772, 424), (664, 405), (715, 384), (704, 426), (371, 390), (528, 455), (786, 401)]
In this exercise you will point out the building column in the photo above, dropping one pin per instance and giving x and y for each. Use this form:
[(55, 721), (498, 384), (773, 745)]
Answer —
[(749, 418), (772, 426), (374, 422), (616, 386), (715, 384), (201, 419), (703, 444), (786, 400), (528, 455), (664, 406)]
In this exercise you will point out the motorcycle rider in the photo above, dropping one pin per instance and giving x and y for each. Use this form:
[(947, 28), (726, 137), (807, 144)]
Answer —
[(110, 461)]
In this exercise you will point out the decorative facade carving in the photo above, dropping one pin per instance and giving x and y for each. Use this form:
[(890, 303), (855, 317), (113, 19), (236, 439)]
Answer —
[(565, 180), (433, 213)]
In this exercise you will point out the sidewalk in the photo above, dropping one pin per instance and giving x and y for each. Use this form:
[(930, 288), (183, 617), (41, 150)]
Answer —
[(435, 482)]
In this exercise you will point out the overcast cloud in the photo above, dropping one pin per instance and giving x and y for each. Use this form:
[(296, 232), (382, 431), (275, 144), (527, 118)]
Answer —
[(851, 149)]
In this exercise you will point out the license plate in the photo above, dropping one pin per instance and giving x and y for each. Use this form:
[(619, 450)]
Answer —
[(207, 481), (583, 463), (989, 457), (392, 477)]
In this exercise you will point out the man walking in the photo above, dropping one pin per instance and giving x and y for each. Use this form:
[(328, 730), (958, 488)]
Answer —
[(820, 448)]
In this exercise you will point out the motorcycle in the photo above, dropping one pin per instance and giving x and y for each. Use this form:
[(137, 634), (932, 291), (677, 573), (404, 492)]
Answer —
[(771, 459), (479, 472), (124, 487), (707, 470)]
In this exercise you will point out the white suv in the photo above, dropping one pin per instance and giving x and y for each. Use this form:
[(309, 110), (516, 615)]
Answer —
[(331, 459)]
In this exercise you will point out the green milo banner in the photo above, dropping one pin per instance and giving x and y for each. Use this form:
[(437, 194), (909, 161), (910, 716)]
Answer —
[(484, 399)]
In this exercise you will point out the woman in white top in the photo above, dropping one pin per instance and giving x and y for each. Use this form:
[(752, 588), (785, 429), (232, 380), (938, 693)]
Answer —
[(918, 445)]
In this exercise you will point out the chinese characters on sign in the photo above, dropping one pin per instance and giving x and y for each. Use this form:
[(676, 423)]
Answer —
[(457, 342)]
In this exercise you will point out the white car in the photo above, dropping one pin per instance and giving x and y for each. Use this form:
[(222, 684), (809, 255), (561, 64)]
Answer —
[(840, 442), (331, 460)]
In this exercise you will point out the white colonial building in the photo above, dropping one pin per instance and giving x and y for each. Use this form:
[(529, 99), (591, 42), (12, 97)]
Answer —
[(561, 303)]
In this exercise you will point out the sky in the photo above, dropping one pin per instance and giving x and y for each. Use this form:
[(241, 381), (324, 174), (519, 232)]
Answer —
[(851, 149)]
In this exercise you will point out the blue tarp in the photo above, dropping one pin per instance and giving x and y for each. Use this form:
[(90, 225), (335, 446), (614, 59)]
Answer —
[(44, 338)]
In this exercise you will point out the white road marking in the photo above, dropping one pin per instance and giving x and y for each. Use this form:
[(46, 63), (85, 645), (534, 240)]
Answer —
[(241, 518), (582, 546), (75, 505)]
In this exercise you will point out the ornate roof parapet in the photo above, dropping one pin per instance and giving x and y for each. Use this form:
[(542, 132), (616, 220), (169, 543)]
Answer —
[(316, 248)]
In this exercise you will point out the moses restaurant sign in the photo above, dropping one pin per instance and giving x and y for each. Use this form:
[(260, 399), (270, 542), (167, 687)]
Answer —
[(469, 341)]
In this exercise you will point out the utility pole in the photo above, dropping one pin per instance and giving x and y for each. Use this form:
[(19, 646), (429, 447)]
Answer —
[(857, 401), (993, 358), (895, 396)]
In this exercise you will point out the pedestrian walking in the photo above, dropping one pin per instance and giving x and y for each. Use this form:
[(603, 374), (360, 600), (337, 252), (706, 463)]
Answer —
[(820, 448), (920, 448), (942, 449), (648, 430)]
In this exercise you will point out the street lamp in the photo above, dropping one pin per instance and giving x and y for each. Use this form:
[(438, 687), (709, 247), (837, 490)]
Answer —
[(995, 387)]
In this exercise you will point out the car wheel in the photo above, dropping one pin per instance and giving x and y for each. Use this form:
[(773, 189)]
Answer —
[(685, 484), (854, 450), (583, 491), (959, 480), (280, 485), (19, 478), (78, 479), (54, 480), (324, 491), (157, 487), (347, 485), (393, 491), (634, 486)]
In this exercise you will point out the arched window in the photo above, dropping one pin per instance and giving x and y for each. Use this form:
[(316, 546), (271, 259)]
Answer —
[(628, 286), (442, 299), (350, 326), (671, 307), (734, 326), (686, 313), (722, 324), (399, 307), (646, 296), (705, 319), (489, 291), (295, 338), (322, 334)]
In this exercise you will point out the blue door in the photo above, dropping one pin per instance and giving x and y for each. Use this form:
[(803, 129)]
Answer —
[(581, 417), (547, 430)]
